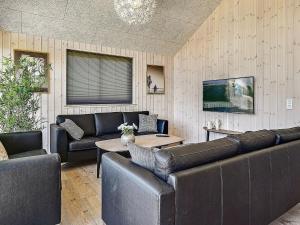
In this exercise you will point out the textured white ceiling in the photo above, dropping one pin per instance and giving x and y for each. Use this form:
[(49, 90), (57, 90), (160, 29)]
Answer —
[(95, 21)]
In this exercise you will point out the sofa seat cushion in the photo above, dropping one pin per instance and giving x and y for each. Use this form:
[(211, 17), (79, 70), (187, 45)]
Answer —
[(287, 135), (86, 122), (183, 157), (84, 144), (292, 217), (133, 117), (108, 123), (254, 140), (28, 154)]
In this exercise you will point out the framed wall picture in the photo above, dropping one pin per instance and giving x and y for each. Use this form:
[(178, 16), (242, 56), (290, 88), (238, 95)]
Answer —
[(155, 79), (42, 58)]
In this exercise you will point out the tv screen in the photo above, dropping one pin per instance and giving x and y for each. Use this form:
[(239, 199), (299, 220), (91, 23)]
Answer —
[(229, 95)]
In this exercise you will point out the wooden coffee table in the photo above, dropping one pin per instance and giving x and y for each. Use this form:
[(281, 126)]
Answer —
[(147, 141)]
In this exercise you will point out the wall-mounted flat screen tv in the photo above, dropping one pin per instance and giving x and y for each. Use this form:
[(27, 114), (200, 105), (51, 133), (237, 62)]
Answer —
[(234, 95)]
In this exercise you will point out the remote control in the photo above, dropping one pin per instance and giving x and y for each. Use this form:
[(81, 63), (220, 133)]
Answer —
[(162, 135)]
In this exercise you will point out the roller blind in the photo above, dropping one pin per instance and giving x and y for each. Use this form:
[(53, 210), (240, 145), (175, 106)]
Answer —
[(98, 79)]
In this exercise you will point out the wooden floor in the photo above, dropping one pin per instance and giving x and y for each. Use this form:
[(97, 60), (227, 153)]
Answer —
[(81, 195)]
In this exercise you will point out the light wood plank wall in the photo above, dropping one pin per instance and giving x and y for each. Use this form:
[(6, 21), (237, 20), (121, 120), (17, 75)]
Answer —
[(258, 38), (54, 103)]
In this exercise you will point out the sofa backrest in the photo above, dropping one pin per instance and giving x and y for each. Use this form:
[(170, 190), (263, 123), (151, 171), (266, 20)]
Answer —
[(133, 117), (107, 123), (254, 140), (22, 141), (85, 121), (287, 135), (183, 157), (252, 188)]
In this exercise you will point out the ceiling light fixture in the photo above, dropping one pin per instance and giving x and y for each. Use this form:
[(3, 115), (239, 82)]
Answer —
[(135, 11)]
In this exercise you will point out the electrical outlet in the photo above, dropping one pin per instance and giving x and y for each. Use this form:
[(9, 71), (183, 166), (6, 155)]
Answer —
[(289, 104)]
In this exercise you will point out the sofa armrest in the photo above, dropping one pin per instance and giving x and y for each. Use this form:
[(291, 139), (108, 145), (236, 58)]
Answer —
[(162, 126), (30, 190), (59, 141), (132, 195), (19, 142)]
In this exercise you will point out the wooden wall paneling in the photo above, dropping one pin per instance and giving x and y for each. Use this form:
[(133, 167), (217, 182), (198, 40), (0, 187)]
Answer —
[(6, 44), (297, 62), (45, 100), (242, 38), (1, 49), (54, 102)]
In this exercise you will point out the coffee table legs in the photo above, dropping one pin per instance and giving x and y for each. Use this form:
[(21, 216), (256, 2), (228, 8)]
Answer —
[(99, 156)]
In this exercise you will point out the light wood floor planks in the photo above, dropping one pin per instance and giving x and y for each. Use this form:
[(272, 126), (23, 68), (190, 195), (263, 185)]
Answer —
[(81, 195)]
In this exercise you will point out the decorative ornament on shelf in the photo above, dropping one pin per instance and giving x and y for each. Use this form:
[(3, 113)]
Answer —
[(135, 11), (127, 133)]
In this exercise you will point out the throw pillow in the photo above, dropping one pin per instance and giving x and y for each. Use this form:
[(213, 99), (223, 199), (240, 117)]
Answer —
[(141, 156), (147, 123), (3, 153), (73, 130)]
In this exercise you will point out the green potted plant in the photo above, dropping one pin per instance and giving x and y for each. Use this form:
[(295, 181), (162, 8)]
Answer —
[(19, 96)]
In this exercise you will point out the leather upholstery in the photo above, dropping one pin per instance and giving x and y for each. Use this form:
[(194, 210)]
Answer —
[(85, 122), (248, 189), (133, 117), (30, 190), (109, 136), (19, 142), (162, 126), (287, 135), (254, 140), (59, 141), (84, 144), (28, 154), (183, 157), (134, 196), (107, 123)]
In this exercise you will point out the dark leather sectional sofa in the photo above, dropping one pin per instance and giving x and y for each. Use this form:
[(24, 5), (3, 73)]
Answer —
[(247, 179), (97, 127)]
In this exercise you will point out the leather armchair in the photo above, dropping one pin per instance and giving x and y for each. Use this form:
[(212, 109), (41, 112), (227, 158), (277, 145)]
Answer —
[(30, 184), (59, 141)]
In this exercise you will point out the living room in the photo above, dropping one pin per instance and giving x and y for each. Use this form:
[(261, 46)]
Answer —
[(132, 112)]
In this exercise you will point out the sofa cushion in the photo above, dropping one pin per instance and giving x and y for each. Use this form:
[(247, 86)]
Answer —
[(107, 123), (28, 154), (73, 129), (84, 144), (147, 123), (85, 121), (3, 153), (254, 140), (287, 135), (133, 117), (141, 156), (183, 157)]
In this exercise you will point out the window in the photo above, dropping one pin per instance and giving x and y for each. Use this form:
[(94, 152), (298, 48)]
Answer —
[(98, 79)]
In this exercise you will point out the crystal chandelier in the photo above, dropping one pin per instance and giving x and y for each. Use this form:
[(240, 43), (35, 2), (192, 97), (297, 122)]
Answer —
[(135, 11)]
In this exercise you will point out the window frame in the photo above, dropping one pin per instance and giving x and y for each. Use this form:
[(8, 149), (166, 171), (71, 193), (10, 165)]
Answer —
[(68, 104)]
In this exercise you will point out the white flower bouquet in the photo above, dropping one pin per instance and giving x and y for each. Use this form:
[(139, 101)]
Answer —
[(127, 129)]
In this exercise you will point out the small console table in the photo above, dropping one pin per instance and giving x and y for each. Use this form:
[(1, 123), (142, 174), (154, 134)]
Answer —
[(221, 131)]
